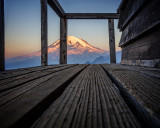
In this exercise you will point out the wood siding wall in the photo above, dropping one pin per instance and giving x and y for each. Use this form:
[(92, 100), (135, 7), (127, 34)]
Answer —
[(140, 40)]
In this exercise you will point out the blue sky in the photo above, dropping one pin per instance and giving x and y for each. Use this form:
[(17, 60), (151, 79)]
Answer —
[(90, 6), (22, 28)]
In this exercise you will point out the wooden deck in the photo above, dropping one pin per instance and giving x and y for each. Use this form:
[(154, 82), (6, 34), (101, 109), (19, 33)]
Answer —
[(80, 96)]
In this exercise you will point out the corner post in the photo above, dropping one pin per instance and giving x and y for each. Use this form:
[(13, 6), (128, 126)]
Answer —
[(63, 41), (112, 40), (44, 33), (2, 37)]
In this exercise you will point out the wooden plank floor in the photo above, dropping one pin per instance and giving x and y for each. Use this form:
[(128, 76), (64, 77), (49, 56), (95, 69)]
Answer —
[(75, 96), (142, 83)]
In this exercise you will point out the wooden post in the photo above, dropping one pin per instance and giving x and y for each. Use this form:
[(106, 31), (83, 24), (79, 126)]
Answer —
[(112, 41), (44, 34), (63, 41), (2, 37)]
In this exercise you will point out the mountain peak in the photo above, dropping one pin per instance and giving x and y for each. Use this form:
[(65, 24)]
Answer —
[(75, 46), (72, 40)]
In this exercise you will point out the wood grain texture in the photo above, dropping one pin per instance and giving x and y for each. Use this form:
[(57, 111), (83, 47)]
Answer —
[(2, 39), (89, 96), (140, 23), (56, 7), (44, 33), (20, 80), (10, 94), (144, 51), (81, 96), (34, 101), (63, 41), (140, 84), (112, 41), (144, 20), (20, 72), (128, 11), (91, 15)]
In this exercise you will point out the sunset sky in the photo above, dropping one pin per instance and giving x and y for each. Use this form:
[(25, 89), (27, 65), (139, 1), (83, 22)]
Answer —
[(22, 24)]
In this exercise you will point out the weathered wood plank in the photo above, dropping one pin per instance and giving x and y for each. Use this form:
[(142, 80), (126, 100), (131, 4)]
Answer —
[(109, 102), (70, 106), (2, 37), (138, 27), (144, 88), (128, 10), (15, 82), (90, 100), (76, 106), (26, 86), (144, 51), (68, 102), (63, 41), (81, 121), (81, 110), (91, 15), (89, 115), (115, 104), (112, 41), (20, 72), (99, 106), (56, 7), (44, 33), (154, 73), (95, 122), (25, 108)]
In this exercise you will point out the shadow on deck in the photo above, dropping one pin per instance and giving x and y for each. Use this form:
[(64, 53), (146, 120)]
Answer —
[(79, 96)]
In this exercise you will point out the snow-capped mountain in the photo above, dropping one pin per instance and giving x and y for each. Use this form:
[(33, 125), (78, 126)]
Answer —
[(79, 52), (75, 46)]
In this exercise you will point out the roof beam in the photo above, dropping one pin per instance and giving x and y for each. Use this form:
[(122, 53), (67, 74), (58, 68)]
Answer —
[(55, 5), (91, 15)]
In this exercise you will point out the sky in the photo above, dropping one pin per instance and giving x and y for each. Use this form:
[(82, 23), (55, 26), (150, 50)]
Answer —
[(23, 27)]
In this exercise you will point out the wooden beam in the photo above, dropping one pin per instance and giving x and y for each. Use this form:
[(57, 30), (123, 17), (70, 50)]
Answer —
[(63, 41), (2, 37), (44, 34), (91, 15), (56, 7), (112, 41)]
